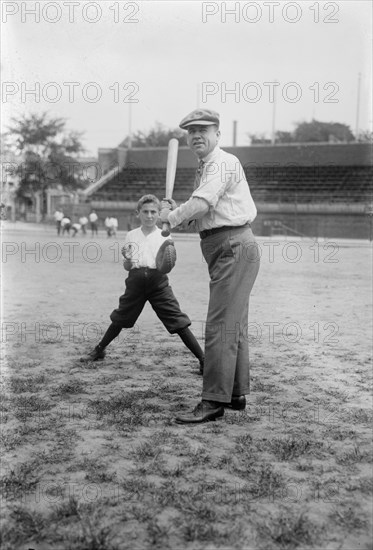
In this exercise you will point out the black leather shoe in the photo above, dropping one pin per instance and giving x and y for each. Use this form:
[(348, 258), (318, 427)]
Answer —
[(238, 403), (205, 411), (201, 365), (95, 355)]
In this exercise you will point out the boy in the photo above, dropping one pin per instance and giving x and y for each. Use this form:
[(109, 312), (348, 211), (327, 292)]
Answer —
[(66, 225), (83, 222), (146, 283), (75, 228)]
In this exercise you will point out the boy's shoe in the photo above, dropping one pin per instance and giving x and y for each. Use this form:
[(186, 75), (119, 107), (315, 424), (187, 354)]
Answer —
[(95, 355)]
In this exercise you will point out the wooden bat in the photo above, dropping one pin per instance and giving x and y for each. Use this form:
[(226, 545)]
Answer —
[(173, 146)]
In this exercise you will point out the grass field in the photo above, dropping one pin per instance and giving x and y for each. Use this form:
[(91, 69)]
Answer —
[(91, 456)]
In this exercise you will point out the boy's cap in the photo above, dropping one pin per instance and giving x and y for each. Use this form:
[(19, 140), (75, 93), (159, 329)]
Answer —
[(201, 117)]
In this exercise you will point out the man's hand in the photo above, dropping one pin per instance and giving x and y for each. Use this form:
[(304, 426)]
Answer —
[(168, 203), (165, 210)]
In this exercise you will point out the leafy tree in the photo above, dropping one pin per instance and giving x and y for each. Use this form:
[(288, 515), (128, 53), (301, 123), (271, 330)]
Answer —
[(365, 137), (259, 139), (322, 131), (284, 137), (49, 154), (158, 136), (314, 131)]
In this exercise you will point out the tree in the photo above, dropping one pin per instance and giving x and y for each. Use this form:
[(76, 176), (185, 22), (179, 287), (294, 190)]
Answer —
[(309, 132), (315, 131), (365, 137), (284, 137), (49, 155), (158, 136), (259, 139)]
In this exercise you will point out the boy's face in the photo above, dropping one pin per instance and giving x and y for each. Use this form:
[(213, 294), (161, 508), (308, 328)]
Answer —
[(148, 214)]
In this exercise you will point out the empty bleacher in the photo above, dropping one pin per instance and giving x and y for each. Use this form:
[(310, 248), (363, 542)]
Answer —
[(317, 189), (287, 184), (305, 184)]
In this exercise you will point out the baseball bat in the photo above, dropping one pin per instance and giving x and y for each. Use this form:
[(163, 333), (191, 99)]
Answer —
[(173, 146)]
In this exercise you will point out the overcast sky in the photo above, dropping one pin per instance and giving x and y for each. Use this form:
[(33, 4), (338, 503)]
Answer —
[(172, 56)]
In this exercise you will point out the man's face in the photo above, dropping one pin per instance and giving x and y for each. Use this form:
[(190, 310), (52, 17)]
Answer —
[(202, 139), (148, 214)]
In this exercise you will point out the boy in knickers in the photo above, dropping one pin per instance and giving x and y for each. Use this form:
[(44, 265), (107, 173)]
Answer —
[(146, 283)]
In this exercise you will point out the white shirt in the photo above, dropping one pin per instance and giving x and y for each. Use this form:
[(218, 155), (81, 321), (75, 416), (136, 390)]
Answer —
[(58, 216), (142, 249), (65, 221), (223, 195), (83, 220), (93, 217)]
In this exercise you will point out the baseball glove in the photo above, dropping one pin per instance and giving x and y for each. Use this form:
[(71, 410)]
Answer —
[(166, 257)]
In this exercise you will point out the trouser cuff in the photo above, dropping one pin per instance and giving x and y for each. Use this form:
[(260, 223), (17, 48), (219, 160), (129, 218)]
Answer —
[(216, 397), (223, 398)]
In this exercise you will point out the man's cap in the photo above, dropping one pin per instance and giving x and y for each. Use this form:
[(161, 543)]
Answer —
[(200, 117)]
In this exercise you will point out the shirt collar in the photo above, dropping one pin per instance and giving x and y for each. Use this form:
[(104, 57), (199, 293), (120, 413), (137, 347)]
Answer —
[(214, 153)]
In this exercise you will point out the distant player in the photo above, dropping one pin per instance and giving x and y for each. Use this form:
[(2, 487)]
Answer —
[(58, 216), (107, 226), (83, 220), (93, 220), (147, 283), (65, 225), (114, 226), (75, 228)]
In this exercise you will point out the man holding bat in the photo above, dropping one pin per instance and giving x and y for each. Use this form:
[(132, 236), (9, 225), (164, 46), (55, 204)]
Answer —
[(221, 209)]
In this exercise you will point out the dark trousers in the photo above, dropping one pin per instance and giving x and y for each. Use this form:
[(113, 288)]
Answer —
[(233, 262), (151, 285)]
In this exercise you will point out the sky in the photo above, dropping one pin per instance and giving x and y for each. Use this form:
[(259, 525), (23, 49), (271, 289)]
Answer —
[(111, 67)]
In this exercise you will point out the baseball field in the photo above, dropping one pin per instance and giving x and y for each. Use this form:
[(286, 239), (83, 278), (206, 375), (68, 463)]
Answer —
[(91, 456)]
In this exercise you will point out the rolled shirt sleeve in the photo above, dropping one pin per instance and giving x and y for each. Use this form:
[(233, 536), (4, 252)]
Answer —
[(193, 209), (222, 198)]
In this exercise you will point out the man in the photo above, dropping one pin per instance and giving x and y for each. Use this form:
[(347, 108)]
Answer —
[(222, 210), (114, 226), (58, 216), (107, 224), (93, 218), (65, 225), (83, 220)]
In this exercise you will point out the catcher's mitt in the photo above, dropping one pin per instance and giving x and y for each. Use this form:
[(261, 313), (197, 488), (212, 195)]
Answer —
[(166, 257)]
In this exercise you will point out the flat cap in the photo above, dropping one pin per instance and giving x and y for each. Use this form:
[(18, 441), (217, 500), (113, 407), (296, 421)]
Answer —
[(202, 117)]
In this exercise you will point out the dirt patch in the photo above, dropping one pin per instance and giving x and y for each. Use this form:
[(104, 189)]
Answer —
[(92, 458)]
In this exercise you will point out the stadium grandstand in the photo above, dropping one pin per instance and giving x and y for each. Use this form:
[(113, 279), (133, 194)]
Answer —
[(313, 190)]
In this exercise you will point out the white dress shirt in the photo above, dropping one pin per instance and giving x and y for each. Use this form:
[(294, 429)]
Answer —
[(142, 249), (222, 198)]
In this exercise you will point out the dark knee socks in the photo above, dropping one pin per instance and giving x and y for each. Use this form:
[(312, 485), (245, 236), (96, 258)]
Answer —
[(191, 343), (111, 333), (185, 334)]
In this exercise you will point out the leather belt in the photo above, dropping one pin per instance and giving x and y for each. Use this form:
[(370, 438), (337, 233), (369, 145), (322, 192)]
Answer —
[(208, 232)]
